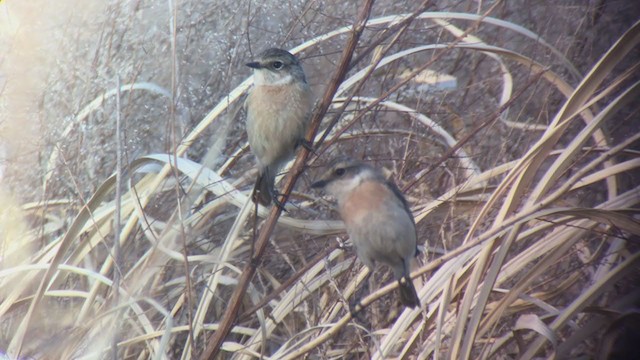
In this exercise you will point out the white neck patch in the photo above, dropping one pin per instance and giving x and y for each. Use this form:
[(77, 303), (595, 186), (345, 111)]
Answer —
[(342, 187), (265, 77), (283, 80)]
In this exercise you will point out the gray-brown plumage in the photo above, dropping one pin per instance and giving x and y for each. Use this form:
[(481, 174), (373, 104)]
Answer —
[(278, 111), (377, 218)]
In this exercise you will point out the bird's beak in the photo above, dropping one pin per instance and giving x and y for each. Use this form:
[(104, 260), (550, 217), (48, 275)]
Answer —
[(254, 65), (319, 184)]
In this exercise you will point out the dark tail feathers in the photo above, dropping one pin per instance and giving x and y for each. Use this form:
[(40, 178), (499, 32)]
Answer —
[(263, 190), (408, 294)]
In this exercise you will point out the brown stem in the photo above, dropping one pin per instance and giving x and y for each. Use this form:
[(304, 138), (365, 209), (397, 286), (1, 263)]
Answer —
[(440, 54), (216, 339), (286, 284)]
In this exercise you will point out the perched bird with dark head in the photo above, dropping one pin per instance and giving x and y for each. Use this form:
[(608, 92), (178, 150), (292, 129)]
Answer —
[(377, 218), (278, 112)]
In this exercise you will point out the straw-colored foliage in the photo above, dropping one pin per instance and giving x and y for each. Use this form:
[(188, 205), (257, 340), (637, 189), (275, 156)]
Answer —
[(522, 177)]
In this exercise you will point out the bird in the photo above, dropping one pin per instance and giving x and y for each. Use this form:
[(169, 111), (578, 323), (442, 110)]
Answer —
[(377, 218), (278, 110)]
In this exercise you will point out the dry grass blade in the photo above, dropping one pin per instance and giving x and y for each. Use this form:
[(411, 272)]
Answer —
[(525, 172), (72, 233), (216, 339), (533, 322), (521, 174), (586, 297)]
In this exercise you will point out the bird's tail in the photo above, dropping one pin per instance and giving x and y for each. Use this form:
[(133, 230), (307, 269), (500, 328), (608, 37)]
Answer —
[(408, 294), (263, 190)]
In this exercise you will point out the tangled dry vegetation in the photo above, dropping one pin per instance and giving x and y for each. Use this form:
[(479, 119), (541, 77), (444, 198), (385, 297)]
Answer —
[(521, 166)]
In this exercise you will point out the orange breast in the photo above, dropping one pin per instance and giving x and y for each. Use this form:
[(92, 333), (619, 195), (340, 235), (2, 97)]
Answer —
[(368, 197)]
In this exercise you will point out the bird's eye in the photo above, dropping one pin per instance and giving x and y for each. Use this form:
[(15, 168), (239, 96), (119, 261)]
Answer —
[(277, 65), (339, 171)]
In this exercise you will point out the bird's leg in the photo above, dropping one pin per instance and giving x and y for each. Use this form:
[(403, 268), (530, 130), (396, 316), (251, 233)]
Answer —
[(261, 190), (255, 195), (277, 202), (307, 145)]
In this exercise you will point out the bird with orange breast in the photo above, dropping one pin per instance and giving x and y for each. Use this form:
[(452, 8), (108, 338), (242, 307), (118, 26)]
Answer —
[(377, 218)]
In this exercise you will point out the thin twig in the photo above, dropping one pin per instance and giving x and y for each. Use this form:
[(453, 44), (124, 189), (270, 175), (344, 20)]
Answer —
[(402, 83), (216, 339), (286, 284), (117, 226), (488, 120), (398, 29)]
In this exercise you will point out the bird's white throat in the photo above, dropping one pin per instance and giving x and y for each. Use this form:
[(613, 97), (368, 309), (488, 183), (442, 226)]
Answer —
[(265, 77)]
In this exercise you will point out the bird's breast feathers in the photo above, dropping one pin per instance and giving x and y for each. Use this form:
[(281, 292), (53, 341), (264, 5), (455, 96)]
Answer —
[(273, 103), (366, 200), (276, 119)]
